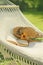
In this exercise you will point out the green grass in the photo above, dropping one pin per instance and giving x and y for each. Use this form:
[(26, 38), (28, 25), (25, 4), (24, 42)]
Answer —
[(5, 62), (18, 63), (9, 62), (36, 18)]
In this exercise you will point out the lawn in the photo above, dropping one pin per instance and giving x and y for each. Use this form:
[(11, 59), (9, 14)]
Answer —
[(36, 18), (5, 63), (9, 62)]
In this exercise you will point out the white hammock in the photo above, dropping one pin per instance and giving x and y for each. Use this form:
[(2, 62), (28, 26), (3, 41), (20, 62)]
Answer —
[(11, 16)]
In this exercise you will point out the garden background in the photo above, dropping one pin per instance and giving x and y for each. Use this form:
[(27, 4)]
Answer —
[(33, 11)]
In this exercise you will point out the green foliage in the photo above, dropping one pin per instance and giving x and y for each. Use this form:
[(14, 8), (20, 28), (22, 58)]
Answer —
[(29, 4), (22, 4), (40, 6), (1, 56)]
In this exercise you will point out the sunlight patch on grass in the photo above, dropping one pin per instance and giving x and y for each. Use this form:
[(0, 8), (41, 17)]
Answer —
[(36, 18)]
